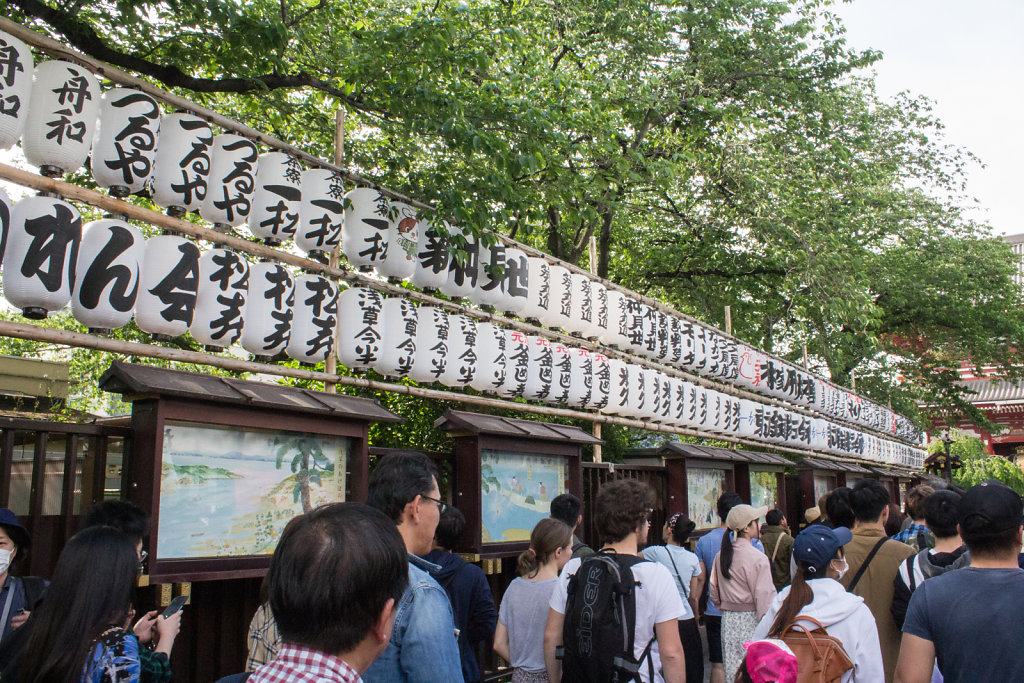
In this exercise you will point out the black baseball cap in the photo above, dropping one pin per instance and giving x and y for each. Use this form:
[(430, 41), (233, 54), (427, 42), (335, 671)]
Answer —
[(989, 508), (817, 545), (18, 533)]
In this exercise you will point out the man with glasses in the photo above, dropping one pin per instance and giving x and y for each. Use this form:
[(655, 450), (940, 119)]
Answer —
[(423, 645)]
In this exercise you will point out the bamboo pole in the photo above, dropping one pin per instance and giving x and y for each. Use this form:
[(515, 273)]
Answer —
[(331, 364), (596, 426), (56, 49), (52, 335), (728, 320), (199, 232)]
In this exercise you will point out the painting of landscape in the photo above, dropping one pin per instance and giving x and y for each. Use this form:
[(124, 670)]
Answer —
[(516, 492), (228, 492), (763, 489)]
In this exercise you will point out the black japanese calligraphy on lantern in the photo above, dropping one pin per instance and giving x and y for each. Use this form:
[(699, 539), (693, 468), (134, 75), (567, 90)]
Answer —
[(74, 92), (603, 378), (136, 138), (63, 127), (587, 303), (544, 292), (516, 278), (327, 224), (195, 165), (103, 271), (177, 291), (52, 255), (232, 278), (494, 270), (565, 303), (10, 64), (282, 294), (434, 256), (368, 337), (238, 184), (464, 265), (322, 301)]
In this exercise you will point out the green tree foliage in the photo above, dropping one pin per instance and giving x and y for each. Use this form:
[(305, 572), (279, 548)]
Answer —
[(722, 152), (978, 465)]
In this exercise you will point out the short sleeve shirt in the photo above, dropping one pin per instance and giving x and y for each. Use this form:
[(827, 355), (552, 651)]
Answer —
[(971, 616), (657, 601), (524, 612), (685, 567)]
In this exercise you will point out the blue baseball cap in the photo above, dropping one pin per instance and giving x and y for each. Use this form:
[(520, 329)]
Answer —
[(817, 545), (18, 533)]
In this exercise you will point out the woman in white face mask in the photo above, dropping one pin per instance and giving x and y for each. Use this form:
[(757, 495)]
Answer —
[(18, 595), (817, 594)]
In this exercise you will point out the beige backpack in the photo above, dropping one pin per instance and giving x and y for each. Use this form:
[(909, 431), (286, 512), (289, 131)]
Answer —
[(821, 658)]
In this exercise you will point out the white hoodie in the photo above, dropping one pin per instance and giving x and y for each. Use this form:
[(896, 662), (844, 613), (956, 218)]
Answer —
[(844, 616)]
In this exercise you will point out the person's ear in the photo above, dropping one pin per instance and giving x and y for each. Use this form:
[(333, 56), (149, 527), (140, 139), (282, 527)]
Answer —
[(381, 628), (885, 515), (411, 511)]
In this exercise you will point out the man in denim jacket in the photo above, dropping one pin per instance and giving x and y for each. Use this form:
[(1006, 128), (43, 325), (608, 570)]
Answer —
[(423, 644)]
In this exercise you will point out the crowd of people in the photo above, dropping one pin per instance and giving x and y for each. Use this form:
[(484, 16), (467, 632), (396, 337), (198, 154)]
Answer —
[(373, 592)]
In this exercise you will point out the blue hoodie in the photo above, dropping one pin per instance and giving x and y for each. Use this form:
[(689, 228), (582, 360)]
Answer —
[(472, 606)]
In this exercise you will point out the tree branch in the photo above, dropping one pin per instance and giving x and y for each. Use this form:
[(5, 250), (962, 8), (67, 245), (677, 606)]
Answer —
[(83, 37)]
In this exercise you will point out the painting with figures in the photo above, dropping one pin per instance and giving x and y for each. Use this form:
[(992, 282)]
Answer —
[(763, 489), (229, 492), (516, 492), (703, 487)]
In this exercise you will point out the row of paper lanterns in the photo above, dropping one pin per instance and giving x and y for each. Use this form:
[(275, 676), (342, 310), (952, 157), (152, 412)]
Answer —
[(61, 117), (109, 274)]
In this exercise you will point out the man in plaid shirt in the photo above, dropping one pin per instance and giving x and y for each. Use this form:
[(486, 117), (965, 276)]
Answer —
[(335, 579)]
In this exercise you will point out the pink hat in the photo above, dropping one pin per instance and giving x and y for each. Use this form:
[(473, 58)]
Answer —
[(770, 661)]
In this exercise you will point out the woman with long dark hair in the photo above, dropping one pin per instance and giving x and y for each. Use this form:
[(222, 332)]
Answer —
[(82, 631), (519, 637), (817, 594), (685, 569), (740, 583)]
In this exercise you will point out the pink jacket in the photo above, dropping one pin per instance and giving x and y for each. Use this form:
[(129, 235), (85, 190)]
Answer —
[(750, 587)]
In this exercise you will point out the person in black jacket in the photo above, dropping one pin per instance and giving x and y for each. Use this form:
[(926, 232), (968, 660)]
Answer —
[(468, 590), (940, 514)]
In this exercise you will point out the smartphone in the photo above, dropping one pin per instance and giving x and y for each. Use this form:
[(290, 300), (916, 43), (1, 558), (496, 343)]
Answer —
[(176, 604)]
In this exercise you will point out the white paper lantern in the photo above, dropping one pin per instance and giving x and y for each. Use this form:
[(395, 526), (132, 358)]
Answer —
[(647, 396), (462, 361), (5, 222), (42, 253), (490, 274), (515, 285), (61, 117), (232, 181), (581, 311), (107, 274), (15, 88), (560, 312), (274, 217), (182, 169), (599, 318), (663, 404), (490, 354), (619, 387), (430, 271), (220, 301), (463, 264), (581, 381), (360, 327), (431, 358), (677, 401), (615, 334), (403, 235), (321, 212), (718, 407), (398, 345), (517, 363), (697, 416), (268, 310), (315, 320), (634, 325), (540, 374), (649, 348), (124, 148), (561, 380), (663, 332), (600, 383), (169, 282), (674, 354), (365, 236), (538, 290)]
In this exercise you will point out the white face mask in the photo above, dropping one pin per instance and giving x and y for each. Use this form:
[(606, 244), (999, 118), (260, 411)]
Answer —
[(846, 568), (5, 560)]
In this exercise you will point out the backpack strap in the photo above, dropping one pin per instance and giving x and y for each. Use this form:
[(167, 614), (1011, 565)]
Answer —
[(778, 542), (910, 573), (867, 561)]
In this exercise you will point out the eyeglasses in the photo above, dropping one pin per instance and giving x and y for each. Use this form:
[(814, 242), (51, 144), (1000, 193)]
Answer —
[(142, 557), (441, 505)]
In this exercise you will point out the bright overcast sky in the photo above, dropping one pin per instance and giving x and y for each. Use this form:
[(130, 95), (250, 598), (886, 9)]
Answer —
[(969, 58)]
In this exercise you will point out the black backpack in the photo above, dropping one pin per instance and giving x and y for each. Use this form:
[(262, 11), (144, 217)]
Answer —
[(600, 622)]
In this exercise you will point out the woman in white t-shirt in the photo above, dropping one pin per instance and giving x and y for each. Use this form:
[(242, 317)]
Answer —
[(685, 569), (519, 636)]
